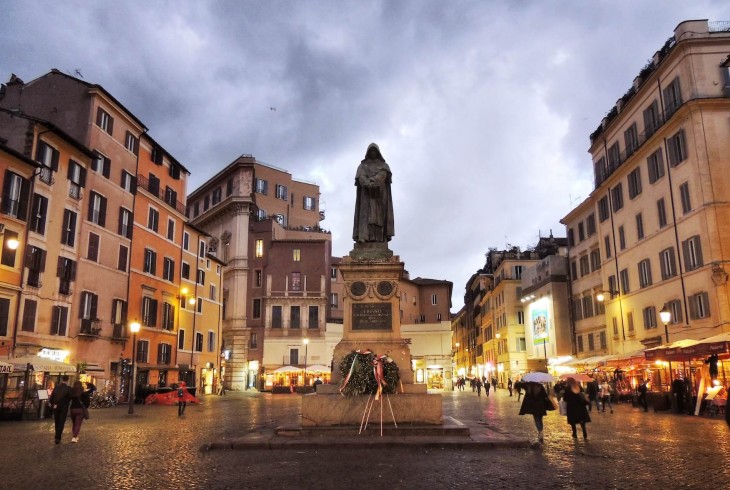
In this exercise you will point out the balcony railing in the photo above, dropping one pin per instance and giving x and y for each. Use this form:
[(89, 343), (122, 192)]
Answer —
[(719, 26), (75, 191), (46, 175), (90, 328), (159, 193)]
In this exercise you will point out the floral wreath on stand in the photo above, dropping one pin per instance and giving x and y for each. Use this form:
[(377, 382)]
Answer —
[(365, 373)]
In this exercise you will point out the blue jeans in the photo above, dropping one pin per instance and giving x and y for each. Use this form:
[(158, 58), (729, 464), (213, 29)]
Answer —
[(538, 421)]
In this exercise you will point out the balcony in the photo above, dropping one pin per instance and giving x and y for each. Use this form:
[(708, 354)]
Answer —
[(74, 191), (90, 328), (154, 189)]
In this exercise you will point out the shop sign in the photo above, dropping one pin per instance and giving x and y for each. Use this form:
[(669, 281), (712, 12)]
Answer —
[(54, 354)]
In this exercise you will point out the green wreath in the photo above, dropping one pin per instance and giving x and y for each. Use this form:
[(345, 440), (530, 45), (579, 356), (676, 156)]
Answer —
[(356, 369)]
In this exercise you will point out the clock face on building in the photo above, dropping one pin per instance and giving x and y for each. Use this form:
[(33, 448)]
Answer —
[(385, 288), (358, 288)]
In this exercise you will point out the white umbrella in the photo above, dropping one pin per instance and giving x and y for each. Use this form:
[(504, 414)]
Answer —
[(287, 369), (538, 377), (318, 368)]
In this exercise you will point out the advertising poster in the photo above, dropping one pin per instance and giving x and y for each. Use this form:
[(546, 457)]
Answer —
[(539, 318)]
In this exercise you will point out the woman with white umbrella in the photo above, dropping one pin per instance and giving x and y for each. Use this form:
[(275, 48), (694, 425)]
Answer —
[(536, 402)]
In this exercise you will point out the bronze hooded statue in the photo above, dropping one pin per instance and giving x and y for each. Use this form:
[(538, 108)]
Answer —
[(374, 204)]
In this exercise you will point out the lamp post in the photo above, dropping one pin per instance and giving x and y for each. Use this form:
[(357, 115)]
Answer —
[(666, 317), (306, 348), (134, 327), (544, 348)]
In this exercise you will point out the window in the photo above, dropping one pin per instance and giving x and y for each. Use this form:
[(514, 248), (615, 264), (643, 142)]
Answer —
[(260, 215), (38, 214), (119, 314), (661, 213), (645, 273), (684, 195), (186, 240), (672, 97), (171, 229), (143, 350), (591, 342), (88, 307), (635, 182), (185, 270), (600, 171), (4, 316), (257, 275), (676, 149), (168, 316), (128, 182), (651, 119), (131, 143), (675, 307), (580, 343), (614, 320), (281, 192), (15, 195), (29, 313), (47, 156), (153, 219), (655, 165), (211, 342), (153, 185), (516, 272), (573, 270), (625, 286), (164, 353), (157, 155), (595, 260), (313, 317), (257, 308), (101, 164), (201, 277), (59, 320), (8, 254), (617, 196), (104, 120), (168, 269), (97, 209), (297, 255), (216, 196), (92, 252), (581, 232), (630, 322), (591, 224), (587, 306), (66, 272), (295, 317), (213, 293), (521, 344), (281, 219), (68, 232), (296, 281), (201, 249), (229, 187), (692, 251), (584, 266), (639, 226), (649, 317), (433, 299), (254, 342), (275, 316), (614, 156), (571, 237), (150, 261), (262, 186), (334, 300), (520, 317), (122, 258), (180, 339), (170, 197), (603, 209), (125, 223), (149, 311), (631, 139), (309, 203), (621, 238), (667, 262), (259, 252), (607, 245), (699, 306)]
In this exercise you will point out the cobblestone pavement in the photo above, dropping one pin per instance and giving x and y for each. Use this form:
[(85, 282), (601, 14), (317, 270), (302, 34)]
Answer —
[(157, 449)]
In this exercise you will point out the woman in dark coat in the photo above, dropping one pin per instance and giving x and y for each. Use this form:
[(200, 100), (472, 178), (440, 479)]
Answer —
[(80, 400), (577, 404), (536, 403)]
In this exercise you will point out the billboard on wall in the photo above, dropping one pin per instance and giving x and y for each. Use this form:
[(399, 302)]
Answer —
[(539, 322)]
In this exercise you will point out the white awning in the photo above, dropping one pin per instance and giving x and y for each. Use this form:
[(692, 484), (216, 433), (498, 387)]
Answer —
[(41, 364)]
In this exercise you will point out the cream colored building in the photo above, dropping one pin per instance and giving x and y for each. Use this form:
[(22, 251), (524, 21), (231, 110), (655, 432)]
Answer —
[(660, 202)]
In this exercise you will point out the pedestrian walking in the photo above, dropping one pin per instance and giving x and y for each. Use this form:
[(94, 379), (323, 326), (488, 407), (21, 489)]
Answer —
[(592, 391), (519, 385), (494, 384), (80, 402), (479, 387), (642, 389), (59, 401), (536, 403), (509, 386), (181, 402), (604, 393), (576, 402), (486, 387), (221, 388)]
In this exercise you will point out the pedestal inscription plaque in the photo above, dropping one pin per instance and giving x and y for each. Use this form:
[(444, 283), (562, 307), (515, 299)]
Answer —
[(372, 316)]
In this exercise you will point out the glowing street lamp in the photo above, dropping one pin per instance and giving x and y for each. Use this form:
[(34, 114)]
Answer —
[(134, 327), (666, 317)]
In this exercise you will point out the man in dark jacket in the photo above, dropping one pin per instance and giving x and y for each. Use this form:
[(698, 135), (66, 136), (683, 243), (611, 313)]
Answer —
[(60, 399), (592, 392)]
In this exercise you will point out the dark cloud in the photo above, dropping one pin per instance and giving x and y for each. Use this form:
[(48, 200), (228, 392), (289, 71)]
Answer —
[(482, 109)]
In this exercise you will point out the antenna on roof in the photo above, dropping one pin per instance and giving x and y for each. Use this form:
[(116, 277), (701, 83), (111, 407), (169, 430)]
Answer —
[(78, 73)]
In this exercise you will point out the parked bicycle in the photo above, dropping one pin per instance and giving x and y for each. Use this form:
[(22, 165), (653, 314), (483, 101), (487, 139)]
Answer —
[(103, 399)]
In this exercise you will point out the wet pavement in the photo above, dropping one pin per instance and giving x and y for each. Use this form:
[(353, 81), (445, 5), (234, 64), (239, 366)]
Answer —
[(154, 448)]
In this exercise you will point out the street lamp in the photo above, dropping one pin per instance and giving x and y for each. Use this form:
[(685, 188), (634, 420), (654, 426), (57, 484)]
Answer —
[(666, 317), (306, 347), (134, 327)]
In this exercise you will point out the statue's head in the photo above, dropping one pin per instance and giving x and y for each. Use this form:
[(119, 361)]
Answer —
[(373, 152)]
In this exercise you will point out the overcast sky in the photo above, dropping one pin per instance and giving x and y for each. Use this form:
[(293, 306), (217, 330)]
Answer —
[(482, 109)]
